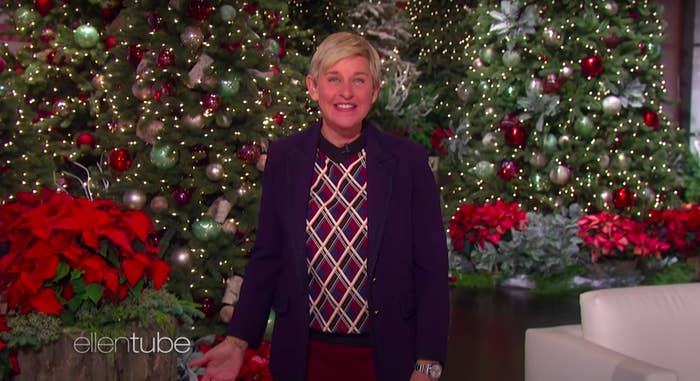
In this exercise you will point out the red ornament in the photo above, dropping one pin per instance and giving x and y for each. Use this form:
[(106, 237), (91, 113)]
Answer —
[(110, 42), (207, 305), (403, 5), (634, 15), (283, 45), (552, 83), (86, 139), (623, 198), (155, 22), (592, 66), (249, 153), (211, 102), (83, 96), (279, 118), (135, 54), (508, 170), (47, 35), (266, 98), (18, 69), (437, 139), (515, 137), (165, 58), (233, 47), (109, 14), (199, 9), (250, 8), (508, 121), (611, 41), (643, 48), (43, 6), (120, 160), (276, 70), (651, 119), (2, 64), (166, 89), (182, 196)]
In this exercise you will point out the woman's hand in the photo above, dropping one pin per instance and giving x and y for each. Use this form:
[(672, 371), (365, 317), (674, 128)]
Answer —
[(224, 361)]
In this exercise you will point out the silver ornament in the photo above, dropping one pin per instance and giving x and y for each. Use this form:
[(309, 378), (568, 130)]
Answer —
[(215, 171), (134, 199), (535, 85), (560, 175), (262, 161), (140, 91), (148, 131), (488, 110), (551, 37), (476, 64), (610, 7), (98, 81), (223, 120), (158, 204), (511, 58), (649, 194), (181, 257), (192, 37), (567, 71), (612, 105), (623, 161), (195, 122), (564, 141), (489, 140), (606, 196), (538, 160), (464, 91), (604, 161), (484, 169)]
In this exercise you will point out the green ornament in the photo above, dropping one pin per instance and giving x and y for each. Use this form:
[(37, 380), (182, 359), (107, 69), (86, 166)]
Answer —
[(484, 169), (228, 12), (86, 36), (653, 50), (487, 55), (206, 229), (25, 17), (539, 182), (584, 127), (511, 58), (228, 87), (511, 91), (164, 156), (272, 48), (549, 143)]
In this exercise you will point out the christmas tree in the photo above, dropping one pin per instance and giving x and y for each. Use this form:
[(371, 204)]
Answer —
[(552, 103), (162, 106)]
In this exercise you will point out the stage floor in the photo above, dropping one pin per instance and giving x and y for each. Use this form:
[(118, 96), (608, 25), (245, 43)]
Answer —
[(487, 330)]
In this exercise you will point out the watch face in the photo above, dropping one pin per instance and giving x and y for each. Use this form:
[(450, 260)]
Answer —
[(435, 370)]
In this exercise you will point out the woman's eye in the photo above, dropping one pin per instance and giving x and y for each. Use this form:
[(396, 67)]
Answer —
[(333, 79), (359, 81)]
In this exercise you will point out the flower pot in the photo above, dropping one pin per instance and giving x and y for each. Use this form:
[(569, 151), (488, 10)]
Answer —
[(89, 356)]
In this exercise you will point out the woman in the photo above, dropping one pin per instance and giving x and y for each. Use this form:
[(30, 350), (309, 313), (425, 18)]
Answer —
[(350, 249)]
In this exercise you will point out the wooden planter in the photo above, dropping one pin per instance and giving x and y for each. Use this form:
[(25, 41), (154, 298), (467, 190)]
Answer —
[(77, 356)]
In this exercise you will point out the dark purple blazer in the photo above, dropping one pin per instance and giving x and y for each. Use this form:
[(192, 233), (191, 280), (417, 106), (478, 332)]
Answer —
[(407, 260)]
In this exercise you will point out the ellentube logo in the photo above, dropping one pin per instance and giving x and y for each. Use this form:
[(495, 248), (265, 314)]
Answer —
[(134, 344)]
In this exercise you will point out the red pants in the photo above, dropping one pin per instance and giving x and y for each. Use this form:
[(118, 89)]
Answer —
[(339, 362)]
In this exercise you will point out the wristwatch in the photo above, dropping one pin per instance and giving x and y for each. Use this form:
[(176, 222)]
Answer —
[(431, 370)]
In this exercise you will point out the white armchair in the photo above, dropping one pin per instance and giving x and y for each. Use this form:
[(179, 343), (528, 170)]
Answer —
[(646, 333)]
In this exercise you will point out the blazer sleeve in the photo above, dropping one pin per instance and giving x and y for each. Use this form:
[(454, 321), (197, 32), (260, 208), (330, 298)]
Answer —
[(250, 317), (430, 264)]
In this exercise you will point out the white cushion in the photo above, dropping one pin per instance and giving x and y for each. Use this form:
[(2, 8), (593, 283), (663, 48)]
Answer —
[(656, 324)]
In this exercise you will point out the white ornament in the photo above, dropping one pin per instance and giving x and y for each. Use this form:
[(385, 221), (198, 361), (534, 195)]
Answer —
[(612, 105)]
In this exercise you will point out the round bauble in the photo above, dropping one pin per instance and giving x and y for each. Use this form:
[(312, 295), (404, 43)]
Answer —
[(538, 160), (120, 160), (584, 127), (206, 229), (484, 169), (164, 156), (134, 199), (612, 105), (86, 36), (610, 8), (560, 175), (158, 204), (536, 86), (551, 37), (193, 122), (489, 140), (227, 12), (192, 37), (604, 161), (229, 86), (549, 143), (508, 170), (592, 66), (511, 58), (487, 55), (215, 171), (181, 257), (623, 198)]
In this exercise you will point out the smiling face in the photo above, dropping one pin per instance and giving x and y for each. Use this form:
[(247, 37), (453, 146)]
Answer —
[(344, 92)]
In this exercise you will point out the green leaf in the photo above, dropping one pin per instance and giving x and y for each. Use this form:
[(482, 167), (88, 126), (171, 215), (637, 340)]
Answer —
[(78, 285), (94, 292), (61, 271)]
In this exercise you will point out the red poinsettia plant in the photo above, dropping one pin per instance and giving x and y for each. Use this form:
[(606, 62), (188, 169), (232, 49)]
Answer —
[(61, 252), (615, 235), (477, 224), (679, 227)]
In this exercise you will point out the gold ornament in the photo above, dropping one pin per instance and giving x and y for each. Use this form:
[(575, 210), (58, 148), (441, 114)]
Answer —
[(215, 171), (134, 199)]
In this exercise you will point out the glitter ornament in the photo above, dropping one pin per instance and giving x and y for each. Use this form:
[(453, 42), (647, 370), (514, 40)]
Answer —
[(120, 160)]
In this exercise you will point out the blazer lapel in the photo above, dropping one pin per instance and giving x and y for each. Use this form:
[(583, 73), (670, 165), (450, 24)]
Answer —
[(381, 168), (300, 163)]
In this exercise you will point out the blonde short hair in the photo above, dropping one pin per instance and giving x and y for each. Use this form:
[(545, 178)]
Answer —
[(338, 46)]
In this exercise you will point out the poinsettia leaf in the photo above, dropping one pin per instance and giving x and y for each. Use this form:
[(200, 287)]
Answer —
[(46, 301), (159, 270), (78, 285), (138, 223), (94, 292), (133, 270)]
